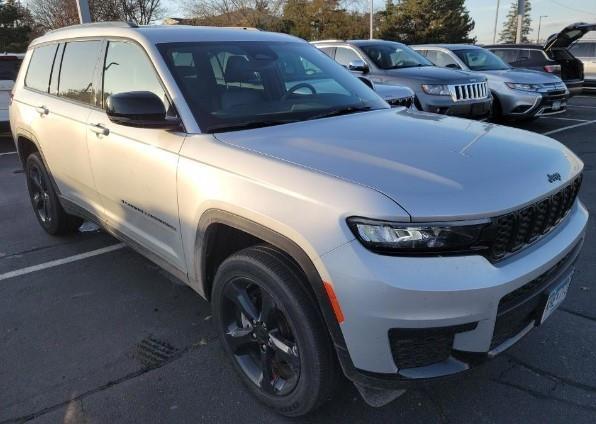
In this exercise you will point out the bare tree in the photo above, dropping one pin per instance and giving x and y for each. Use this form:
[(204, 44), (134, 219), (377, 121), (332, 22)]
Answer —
[(51, 14)]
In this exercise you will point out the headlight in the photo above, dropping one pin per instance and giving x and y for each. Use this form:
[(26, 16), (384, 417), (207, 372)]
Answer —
[(523, 87), (412, 238), (436, 89)]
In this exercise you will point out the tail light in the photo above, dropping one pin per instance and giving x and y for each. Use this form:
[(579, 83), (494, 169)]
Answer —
[(552, 68)]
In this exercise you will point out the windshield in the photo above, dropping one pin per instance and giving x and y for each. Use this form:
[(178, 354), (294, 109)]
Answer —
[(394, 56), (239, 85), (9, 67), (481, 60)]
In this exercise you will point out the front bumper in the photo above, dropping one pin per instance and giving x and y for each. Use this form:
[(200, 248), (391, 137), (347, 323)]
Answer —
[(444, 105), (388, 298), (521, 104)]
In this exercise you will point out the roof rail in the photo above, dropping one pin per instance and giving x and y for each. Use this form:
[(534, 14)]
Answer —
[(241, 27), (114, 24), (328, 41)]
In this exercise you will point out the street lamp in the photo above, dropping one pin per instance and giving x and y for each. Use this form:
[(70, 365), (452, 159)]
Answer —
[(371, 20), (539, 25), (496, 21)]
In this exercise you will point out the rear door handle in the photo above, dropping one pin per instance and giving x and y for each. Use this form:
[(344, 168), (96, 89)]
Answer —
[(99, 129), (42, 110)]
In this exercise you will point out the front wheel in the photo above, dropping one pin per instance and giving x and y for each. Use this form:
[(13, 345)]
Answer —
[(272, 330)]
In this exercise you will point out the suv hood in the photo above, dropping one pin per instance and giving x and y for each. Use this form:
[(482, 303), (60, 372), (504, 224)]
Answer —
[(568, 36), (433, 166), (520, 76), (434, 75)]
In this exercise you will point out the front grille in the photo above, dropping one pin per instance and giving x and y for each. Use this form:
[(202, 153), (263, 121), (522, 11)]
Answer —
[(404, 101), (511, 232), (413, 348), (462, 92), (520, 307)]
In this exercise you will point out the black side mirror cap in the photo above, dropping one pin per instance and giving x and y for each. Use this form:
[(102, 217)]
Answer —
[(141, 109)]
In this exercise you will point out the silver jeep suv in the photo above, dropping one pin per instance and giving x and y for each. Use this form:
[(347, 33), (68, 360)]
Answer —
[(329, 231)]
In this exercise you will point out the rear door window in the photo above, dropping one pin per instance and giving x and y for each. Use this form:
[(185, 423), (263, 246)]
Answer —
[(40, 67), (77, 72), (329, 51)]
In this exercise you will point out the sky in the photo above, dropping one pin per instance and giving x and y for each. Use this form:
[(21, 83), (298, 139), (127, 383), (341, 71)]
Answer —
[(560, 13)]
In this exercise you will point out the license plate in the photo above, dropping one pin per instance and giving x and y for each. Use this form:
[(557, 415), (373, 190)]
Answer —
[(556, 105), (555, 298)]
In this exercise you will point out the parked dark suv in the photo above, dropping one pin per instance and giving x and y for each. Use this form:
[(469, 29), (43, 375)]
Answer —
[(438, 90), (554, 57)]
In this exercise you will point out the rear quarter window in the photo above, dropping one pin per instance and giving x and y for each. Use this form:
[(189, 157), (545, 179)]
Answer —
[(40, 67)]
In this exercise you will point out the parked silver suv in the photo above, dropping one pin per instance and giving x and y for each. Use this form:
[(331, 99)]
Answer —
[(324, 227)]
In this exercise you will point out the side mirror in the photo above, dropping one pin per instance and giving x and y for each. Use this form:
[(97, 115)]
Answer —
[(452, 66), (139, 109), (358, 66), (367, 81)]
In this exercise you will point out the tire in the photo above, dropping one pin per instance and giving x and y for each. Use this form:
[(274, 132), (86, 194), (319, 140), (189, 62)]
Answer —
[(44, 200), (264, 315), (496, 112)]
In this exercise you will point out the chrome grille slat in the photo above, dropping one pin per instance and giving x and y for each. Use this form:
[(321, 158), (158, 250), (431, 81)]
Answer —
[(471, 91)]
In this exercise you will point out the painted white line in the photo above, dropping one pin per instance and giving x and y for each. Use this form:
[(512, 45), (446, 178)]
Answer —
[(564, 119), (8, 153), (582, 124), (58, 262), (581, 107)]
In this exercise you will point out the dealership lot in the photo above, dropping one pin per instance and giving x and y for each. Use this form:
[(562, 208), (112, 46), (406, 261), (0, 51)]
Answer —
[(92, 332)]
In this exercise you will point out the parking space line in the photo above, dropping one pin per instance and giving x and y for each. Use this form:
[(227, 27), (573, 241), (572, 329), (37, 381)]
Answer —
[(581, 106), (564, 119), (58, 262), (8, 153), (558, 130)]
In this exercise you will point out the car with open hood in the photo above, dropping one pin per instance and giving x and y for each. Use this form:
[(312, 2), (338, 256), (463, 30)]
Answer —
[(444, 91), (518, 94), (330, 232), (553, 57)]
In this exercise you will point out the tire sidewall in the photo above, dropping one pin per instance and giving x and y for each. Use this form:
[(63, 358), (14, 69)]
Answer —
[(288, 301), (34, 160)]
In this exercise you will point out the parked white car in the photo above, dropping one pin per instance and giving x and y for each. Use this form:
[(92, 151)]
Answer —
[(9, 68)]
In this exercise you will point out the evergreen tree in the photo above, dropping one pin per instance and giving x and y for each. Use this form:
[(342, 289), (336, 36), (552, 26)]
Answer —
[(425, 21), (15, 27), (509, 31)]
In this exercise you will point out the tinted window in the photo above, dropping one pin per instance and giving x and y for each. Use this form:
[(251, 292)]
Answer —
[(481, 60), (344, 56), (238, 85), (537, 56), (440, 58), (40, 66), (9, 67), (508, 55), (584, 49), (391, 55), (127, 68), (77, 71)]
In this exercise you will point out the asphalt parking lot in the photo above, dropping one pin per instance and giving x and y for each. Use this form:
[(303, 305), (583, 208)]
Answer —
[(107, 337)]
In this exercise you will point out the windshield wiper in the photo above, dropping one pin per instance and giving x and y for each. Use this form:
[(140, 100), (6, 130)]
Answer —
[(341, 111), (247, 125)]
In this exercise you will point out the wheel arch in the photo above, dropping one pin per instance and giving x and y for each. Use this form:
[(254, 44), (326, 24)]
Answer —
[(213, 219)]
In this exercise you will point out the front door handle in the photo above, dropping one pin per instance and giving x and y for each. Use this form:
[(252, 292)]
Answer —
[(42, 110), (99, 129)]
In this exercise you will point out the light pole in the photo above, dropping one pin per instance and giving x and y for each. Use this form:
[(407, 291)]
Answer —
[(539, 25), (371, 20), (496, 21), (521, 11), (83, 8)]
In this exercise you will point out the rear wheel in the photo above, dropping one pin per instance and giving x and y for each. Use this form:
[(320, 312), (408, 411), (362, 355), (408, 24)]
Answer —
[(48, 210), (272, 330)]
